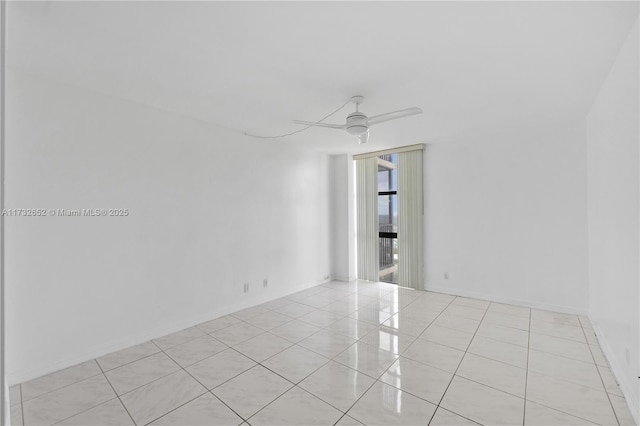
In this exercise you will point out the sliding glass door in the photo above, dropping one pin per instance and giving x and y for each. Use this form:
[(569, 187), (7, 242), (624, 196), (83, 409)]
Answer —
[(389, 235), (388, 218)]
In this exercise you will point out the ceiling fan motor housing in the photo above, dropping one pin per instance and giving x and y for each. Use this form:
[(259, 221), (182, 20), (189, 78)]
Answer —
[(356, 123)]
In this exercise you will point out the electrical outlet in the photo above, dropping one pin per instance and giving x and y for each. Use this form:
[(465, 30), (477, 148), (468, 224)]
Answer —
[(327, 277), (246, 287), (265, 283), (446, 275)]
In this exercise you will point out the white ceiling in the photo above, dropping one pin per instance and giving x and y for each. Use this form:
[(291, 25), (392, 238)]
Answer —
[(254, 67)]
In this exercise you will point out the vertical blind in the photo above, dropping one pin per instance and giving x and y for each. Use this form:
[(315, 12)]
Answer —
[(410, 220), (367, 218)]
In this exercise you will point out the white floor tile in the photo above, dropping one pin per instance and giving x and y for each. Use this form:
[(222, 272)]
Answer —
[(509, 309), (248, 313), (421, 380), (447, 336), (506, 320), (473, 303), (539, 415), (341, 307), (262, 346), (125, 356), (598, 356), (621, 409), (249, 392), (327, 343), (178, 338), (554, 318), (386, 405), (366, 359), (337, 385), (269, 320), (316, 301), (591, 337), (52, 407), (562, 331), (59, 379), (465, 311), (483, 404), (295, 408), (320, 318), (499, 351), (205, 410), (408, 326), (456, 322), (434, 354), (348, 421), (504, 334), (158, 398), (567, 348), (111, 413), (130, 376), (571, 398), (295, 310), (496, 374), (219, 368), (237, 333), (16, 415), (14, 395), (295, 330), (610, 383), (196, 350), (371, 314), (351, 327), (388, 340), (447, 418), (582, 373), (218, 323), (295, 363)]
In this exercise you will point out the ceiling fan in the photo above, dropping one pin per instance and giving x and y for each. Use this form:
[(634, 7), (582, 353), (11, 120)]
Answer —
[(358, 123)]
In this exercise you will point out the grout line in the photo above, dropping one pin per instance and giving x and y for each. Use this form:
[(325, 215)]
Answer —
[(65, 386), (601, 379), (84, 411), (127, 363), (590, 422), (116, 393), (205, 387), (459, 363), (21, 404), (526, 377), (178, 407)]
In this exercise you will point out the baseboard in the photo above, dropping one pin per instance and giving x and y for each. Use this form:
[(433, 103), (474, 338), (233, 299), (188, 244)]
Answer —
[(626, 386), (16, 377), (511, 301), (344, 279)]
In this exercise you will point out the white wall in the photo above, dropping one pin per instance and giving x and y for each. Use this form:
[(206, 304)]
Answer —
[(613, 174), (209, 208), (343, 236), (505, 217)]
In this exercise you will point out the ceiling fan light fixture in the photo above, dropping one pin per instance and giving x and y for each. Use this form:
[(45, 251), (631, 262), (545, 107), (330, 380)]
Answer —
[(357, 130)]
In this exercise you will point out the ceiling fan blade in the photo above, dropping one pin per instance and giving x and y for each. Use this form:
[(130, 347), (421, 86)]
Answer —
[(363, 138), (393, 115), (313, 123)]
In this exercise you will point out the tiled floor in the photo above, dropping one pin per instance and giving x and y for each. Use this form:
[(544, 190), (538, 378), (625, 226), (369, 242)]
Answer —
[(345, 354)]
